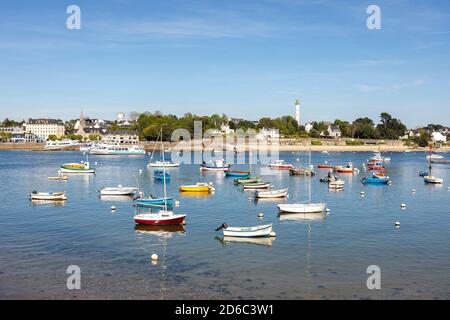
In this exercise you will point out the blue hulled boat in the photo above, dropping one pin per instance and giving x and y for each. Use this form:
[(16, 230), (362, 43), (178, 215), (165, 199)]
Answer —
[(161, 175), (237, 174), (376, 180), (150, 202)]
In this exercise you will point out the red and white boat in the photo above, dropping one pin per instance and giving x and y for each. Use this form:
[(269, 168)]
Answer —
[(375, 165), (162, 218), (280, 165), (325, 166), (349, 168)]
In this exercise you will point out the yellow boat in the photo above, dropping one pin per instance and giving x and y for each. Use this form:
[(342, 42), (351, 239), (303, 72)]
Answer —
[(74, 166), (199, 187)]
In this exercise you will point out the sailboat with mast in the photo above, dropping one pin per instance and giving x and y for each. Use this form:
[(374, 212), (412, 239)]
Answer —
[(164, 217), (303, 207), (430, 179), (159, 163)]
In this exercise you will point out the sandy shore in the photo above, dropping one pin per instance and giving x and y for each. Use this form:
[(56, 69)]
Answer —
[(149, 146)]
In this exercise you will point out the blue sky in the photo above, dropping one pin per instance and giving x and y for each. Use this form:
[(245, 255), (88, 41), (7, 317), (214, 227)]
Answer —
[(243, 58)]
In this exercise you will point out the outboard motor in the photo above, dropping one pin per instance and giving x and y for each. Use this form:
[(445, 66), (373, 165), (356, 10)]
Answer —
[(223, 226)]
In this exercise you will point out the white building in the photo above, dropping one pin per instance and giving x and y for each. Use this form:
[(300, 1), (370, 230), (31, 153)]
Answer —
[(266, 133), (334, 132), (121, 137), (43, 128), (297, 111), (438, 137), (308, 127), (225, 129)]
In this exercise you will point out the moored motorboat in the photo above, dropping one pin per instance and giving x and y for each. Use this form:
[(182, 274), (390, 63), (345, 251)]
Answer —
[(336, 184), (325, 166), (255, 186), (118, 191), (349, 168), (217, 165), (161, 175), (48, 196), (376, 179), (433, 180), (280, 165), (199, 187), (302, 207), (248, 180), (247, 232), (280, 193), (160, 164), (240, 174), (81, 167), (301, 172)]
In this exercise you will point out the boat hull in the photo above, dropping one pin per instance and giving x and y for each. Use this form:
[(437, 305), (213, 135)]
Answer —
[(248, 232), (272, 194), (302, 208), (154, 202), (237, 174), (157, 220)]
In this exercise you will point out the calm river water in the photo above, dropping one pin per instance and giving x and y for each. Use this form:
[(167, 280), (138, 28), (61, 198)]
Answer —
[(324, 257)]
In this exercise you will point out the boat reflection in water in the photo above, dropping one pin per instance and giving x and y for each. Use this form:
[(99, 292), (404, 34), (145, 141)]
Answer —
[(263, 241), (303, 217), (146, 234), (58, 203), (160, 231), (271, 200), (193, 194), (116, 198)]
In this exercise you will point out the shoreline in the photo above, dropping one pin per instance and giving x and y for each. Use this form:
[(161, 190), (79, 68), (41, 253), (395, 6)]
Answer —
[(149, 147)]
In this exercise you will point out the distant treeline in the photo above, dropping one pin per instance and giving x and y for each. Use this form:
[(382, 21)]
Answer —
[(148, 125)]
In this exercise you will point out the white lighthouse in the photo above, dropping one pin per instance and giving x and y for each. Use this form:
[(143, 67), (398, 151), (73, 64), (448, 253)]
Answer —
[(297, 111)]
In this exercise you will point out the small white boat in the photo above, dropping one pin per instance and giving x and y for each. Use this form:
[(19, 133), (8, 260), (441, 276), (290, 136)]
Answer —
[(247, 232), (280, 165), (433, 180), (256, 186), (434, 156), (160, 164), (58, 178), (302, 207), (336, 184), (49, 196), (280, 193), (118, 191)]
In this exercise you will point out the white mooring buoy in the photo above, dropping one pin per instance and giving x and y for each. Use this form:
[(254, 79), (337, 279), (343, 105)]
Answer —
[(403, 205), (397, 224), (260, 215), (413, 190), (154, 257), (113, 208)]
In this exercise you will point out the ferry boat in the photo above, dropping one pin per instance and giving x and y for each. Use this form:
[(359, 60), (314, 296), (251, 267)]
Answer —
[(60, 144), (108, 149)]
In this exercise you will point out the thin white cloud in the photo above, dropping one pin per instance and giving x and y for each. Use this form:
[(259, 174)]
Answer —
[(365, 88)]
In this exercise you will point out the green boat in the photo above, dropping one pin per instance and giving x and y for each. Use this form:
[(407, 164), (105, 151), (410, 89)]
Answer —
[(248, 180)]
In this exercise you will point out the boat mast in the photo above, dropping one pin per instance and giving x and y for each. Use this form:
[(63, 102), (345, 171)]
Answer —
[(310, 177), (164, 173), (429, 160)]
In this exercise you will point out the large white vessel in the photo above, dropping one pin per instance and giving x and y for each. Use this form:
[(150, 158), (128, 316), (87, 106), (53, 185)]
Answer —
[(60, 144), (108, 149)]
